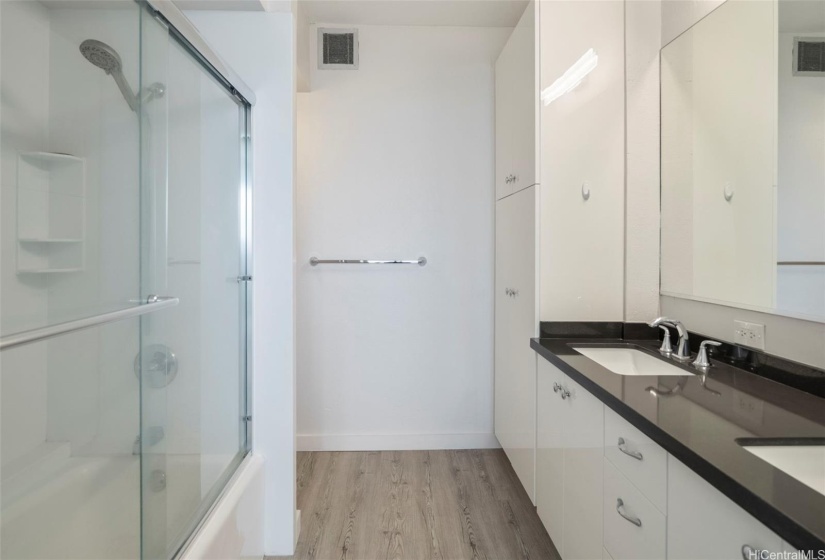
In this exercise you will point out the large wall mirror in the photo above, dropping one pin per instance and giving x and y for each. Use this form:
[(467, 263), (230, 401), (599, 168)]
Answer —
[(743, 158)]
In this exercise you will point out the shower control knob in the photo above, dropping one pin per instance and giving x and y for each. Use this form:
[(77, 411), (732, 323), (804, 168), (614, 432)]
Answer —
[(156, 365)]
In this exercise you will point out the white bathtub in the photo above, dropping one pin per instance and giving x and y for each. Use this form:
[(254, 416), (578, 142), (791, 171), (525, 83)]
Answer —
[(233, 529), (89, 508)]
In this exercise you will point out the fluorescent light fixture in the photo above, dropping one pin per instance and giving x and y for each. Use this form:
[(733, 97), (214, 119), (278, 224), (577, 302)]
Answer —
[(571, 78)]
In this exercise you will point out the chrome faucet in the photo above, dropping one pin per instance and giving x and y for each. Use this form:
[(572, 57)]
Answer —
[(682, 353)]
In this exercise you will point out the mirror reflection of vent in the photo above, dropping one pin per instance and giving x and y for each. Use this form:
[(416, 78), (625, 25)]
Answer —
[(809, 56), (337, 49)]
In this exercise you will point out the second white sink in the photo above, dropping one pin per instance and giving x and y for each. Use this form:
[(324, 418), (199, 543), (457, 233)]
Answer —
[(806, 463), (629, 361)]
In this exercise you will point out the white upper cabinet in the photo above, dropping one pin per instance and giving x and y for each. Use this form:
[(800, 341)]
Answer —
[(515, 325), (516, 108), (704, 523)]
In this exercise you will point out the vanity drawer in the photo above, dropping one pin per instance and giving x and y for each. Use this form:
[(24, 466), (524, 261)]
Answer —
[(634, 529), (637, 456)]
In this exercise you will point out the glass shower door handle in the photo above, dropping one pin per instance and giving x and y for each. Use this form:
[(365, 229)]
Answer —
[(153, 303)]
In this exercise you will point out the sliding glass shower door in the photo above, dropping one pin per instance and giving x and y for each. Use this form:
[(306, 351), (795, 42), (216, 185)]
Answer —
[(193, 422), (123, 282)]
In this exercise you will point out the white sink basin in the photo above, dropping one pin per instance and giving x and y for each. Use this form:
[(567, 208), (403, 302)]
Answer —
[(629, 361), (806, 463)]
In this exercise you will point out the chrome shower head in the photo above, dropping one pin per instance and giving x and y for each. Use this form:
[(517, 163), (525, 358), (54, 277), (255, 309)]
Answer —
[(106, 58), (101, 55)]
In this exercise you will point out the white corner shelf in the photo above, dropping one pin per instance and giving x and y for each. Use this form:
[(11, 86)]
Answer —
[(48, 270), (51, 213), (46, 240)]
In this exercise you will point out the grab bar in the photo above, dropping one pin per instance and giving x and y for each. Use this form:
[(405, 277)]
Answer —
[(314, 261), (153, 303), (801, 263)]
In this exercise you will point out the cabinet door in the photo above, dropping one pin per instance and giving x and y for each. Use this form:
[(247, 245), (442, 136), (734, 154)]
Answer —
[(516, 108), (506, 96), (550, 450), (515, 377), (634, 528), (583, 466), (703, 523), (638, 457), (525, 112)]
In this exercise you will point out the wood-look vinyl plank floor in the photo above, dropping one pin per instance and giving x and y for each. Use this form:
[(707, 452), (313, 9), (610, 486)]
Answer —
[(416, 505)]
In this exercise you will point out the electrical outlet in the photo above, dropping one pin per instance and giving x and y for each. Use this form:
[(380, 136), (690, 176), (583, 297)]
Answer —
[(748, 407), (747, 334)]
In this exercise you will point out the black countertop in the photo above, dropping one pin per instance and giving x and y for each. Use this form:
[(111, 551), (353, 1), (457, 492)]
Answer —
[(698, 419)]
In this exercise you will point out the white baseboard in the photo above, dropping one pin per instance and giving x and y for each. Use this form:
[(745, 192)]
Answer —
[(394, 442)]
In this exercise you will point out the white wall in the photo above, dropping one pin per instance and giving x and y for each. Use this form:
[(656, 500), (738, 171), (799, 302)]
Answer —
[(395, 162), (794, 339), (583, 140), (25, 104), (260, 47)]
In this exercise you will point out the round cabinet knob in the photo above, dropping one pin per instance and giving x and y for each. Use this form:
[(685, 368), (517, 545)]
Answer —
[(556, 387)]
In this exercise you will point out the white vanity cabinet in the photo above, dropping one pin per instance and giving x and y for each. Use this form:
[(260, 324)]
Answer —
[(550, 451), (515, 325), (634, 529), (704, 523), (635, 492), (637, 457), (569, 463), (606, 490), (516, 108)]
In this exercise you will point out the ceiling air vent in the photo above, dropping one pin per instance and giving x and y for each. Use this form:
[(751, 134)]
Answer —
[(337, 49), (809, 56)]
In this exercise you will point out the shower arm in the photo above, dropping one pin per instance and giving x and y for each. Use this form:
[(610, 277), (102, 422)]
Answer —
[(126, 90)]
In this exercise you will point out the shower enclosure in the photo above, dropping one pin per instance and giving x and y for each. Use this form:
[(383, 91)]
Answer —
[(124, 274)]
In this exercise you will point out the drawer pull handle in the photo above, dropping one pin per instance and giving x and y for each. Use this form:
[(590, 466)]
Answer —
[(635, 520), (750, 553), (626, 451)]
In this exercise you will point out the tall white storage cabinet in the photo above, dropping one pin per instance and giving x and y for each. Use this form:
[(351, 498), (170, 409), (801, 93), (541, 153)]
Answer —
[(516, 232), (515, 386)]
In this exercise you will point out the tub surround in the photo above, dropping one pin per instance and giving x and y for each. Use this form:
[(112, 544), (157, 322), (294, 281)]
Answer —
[(700, 426)]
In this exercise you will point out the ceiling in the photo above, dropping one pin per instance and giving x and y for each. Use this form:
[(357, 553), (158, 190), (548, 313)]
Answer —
[(466, 13), (802, 16), (460, 13), (233, 5)]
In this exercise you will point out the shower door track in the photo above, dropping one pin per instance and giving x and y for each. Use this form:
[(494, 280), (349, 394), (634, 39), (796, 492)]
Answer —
[(154, 303)]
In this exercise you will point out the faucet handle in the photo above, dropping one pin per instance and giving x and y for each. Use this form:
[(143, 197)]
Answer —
[(665, 349), (702, 360)]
